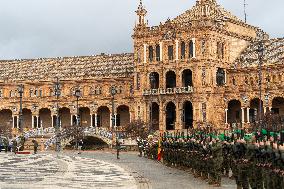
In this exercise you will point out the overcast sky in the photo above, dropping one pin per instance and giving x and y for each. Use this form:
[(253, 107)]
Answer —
[(52, 28)]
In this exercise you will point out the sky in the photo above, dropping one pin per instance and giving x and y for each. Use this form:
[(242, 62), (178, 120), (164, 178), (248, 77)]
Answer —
[(57, 28)]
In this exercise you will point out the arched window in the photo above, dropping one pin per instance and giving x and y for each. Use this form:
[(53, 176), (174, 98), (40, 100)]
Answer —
[(154, 80), (158, 53), (151, 54), (182, 48), (170, 79), (31, 92), (40, 93), (171, 52), (220, 77), (11, 93)]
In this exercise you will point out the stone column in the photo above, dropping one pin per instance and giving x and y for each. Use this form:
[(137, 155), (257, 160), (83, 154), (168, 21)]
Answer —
[(13, 117), (91, 120), (194, 51), (96, 120), (264, 110), (178, 125), (177, 49), (248, 109), (162, 124), (18, 126), (37, 122), (226, 116), (71, 121), (243, 115), (110, 125), (52, 120), (161, 51), (145, 53)]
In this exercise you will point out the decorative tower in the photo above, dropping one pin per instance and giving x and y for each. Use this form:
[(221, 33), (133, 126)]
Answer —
[(141, 14), (206, 1)]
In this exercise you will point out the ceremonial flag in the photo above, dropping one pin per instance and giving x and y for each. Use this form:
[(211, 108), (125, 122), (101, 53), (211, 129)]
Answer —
[(159, 149)]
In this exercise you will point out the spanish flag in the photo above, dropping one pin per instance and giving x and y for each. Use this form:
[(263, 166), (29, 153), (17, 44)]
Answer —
[(160, 149)]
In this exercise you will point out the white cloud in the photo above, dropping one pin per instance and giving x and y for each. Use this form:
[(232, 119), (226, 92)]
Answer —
[(51, 28)]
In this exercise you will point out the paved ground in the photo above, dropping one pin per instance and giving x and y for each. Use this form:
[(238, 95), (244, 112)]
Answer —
[(154, 175), (99, 170), (46, 171)]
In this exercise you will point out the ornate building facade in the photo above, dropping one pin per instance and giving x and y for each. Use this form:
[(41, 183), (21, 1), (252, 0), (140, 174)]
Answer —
[(201, 67)]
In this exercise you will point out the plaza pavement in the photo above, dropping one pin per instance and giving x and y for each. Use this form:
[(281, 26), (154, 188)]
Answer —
[(47, 171), (150, 174), (99, 170)]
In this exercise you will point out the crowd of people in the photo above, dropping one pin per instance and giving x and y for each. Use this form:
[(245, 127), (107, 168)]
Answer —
[(254, 160)]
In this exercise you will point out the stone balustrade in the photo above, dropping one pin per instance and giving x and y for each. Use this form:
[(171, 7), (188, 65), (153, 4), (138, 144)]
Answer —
[(177, 90)]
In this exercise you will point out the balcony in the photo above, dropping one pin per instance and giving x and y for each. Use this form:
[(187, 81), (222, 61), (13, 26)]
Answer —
[(177, 90)]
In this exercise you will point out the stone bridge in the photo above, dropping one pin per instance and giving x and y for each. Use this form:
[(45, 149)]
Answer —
[(100, 133)]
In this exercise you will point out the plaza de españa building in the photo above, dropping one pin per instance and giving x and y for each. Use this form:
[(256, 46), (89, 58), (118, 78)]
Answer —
[(199, 68)]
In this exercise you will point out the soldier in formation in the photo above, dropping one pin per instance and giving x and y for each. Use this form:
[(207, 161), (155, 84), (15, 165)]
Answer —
[(254, 160)]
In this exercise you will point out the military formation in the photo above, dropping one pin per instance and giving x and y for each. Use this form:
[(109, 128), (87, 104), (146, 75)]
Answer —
[(253, 160)]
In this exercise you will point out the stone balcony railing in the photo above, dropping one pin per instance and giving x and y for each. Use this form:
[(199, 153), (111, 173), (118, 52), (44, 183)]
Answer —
[(177, 90)]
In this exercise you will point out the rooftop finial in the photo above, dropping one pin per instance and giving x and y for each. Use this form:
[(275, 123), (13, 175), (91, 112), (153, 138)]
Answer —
[(245, 10), (141, 13), (205, 1)]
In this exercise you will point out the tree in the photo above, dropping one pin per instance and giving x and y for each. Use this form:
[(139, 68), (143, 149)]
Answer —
[(138, 128), (6, 131), (273, 122)]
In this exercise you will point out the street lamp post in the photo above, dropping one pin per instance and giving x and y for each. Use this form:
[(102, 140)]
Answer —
[(113, 93), (57, 94), (77, 95), (21, 91), (260, 57)]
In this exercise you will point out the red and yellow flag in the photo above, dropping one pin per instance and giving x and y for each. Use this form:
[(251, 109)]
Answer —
[(159, 149)]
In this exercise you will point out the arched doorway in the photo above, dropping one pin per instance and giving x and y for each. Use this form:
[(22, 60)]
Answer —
[(45, 120), (155, 116), (64, 117), (6, 119), (187, 78), (93, 143), (278, 105), (170, 79), (188, 115), (154, 80), (123, 116), (103, 119), (254, 110), (234, 112), (85, 115), (170, 116), (27, 119)]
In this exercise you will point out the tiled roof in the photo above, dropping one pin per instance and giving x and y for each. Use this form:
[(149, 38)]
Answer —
[(273, 53), (100, 66)]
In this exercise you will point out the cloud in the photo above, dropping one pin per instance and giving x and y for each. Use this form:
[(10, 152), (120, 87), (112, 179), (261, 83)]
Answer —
[(52, 28)]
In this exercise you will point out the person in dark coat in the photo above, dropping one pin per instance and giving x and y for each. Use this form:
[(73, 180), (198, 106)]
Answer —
[(35, 146), (118, 145)]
